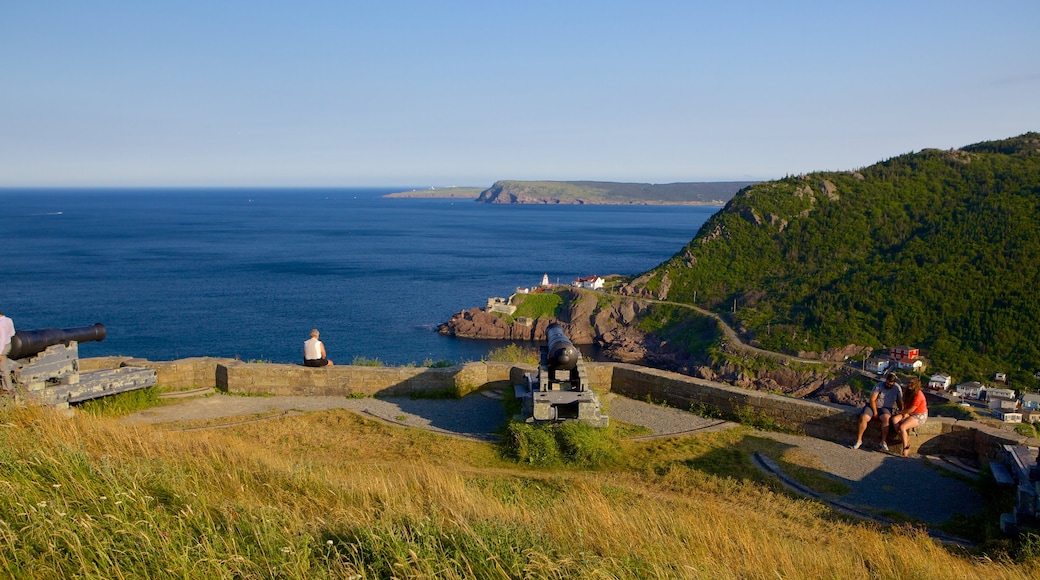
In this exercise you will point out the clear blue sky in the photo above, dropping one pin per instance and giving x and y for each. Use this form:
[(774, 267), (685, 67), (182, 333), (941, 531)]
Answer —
[(358, 93)]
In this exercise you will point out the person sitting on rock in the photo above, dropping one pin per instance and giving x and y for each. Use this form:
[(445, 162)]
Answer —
[(914, 412), (314, 352), (883, 400)]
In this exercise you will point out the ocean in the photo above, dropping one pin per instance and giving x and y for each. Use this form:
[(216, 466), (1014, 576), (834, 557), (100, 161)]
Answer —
[(247, 273)]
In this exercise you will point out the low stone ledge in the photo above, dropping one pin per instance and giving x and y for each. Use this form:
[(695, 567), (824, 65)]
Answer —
[(350, 380)]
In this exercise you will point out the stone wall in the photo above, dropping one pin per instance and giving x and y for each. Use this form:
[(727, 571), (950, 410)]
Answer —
[(348, 380), (939, 435)]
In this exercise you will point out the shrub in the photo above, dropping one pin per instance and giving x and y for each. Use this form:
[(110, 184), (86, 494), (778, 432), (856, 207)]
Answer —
[(360, 361), (572, 443), (514, 353)]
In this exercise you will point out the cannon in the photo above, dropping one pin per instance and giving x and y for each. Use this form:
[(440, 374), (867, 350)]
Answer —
[(560, 390), (44, 367), (29, 342)]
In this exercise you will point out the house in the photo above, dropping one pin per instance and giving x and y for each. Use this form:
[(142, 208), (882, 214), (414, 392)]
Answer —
[(1000, 394), (939, 382), (877, 364), (971, 390), (520, 290), (1000, 404), (591, 282), (904, 353), (907, 357), (916, 365), (1008, 416), (1031, 401), (1030, 415), (1000, 377)]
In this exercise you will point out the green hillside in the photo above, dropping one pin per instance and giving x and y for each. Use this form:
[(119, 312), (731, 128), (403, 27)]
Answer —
[(937, 249)]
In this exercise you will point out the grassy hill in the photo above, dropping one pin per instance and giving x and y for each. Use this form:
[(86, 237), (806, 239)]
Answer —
[(335, 495), (937, 249), (605, 192)]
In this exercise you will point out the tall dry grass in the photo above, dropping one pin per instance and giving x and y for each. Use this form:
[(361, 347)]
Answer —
[(333, 495)]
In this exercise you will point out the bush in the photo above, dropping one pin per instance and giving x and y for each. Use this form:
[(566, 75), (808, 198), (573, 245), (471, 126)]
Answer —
[(513, 353), (360, 361), (572, 443)]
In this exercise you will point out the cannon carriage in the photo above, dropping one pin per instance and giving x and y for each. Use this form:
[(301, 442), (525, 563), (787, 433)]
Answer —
[(560, 390), (44, 367)]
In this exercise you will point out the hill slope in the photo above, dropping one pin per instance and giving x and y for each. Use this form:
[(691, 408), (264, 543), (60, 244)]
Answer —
[(605, 192), (938, 249)]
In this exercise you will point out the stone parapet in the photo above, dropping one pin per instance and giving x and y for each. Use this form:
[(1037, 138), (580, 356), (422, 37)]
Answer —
[(349, 380), (939, 435)]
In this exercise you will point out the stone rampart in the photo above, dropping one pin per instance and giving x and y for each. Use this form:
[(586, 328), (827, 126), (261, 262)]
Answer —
[(939, 435), (349, 380)]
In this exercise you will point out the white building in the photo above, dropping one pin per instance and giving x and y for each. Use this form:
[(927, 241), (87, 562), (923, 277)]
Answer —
[(971, 390), (591, 282), (999, 404), (1008, 416), (1008, 394), (940, 382), (545, 280), (877, 364)]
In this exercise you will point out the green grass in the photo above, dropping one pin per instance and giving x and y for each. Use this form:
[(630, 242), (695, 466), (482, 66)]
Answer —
[(122, 404), (545, 305), (514, 353)]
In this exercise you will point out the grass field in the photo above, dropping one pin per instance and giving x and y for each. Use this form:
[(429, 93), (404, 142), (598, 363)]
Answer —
[(335, 495)]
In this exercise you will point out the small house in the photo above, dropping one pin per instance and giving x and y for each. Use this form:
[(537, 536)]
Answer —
[(1000, 377), (904, 353), (590, 282), (1030, 415), (1008, 416), (1000, 394), (970, 390), (877, 364), (916, 365), (940, 382), (1031, 401), (1000, 404)]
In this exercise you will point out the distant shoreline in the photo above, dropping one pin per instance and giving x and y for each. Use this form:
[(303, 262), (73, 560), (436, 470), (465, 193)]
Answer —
[(452, 192)]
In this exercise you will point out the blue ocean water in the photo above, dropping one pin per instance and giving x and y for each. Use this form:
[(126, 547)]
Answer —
[(247, 273)]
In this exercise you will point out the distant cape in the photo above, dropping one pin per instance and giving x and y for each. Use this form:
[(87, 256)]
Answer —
[(611, 193)]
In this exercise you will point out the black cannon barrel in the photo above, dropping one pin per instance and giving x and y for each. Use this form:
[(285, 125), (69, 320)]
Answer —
[(561, 354), (29, 342)]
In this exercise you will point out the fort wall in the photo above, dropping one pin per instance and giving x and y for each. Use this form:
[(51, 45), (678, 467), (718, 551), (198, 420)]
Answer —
[(939, 435)]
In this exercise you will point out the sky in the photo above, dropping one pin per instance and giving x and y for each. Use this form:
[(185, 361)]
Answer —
[(390, 93)]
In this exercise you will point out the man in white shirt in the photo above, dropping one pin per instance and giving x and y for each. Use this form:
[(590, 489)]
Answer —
[(314, 352), (6, 334)]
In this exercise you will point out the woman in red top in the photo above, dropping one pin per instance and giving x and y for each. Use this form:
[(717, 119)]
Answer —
[(914, 412)]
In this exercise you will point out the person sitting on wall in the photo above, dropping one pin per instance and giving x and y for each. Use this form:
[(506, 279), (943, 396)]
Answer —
[(883, 400), (913, 413), (314, 352)]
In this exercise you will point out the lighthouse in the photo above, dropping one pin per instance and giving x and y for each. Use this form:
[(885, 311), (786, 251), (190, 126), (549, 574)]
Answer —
[(545, 280)]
